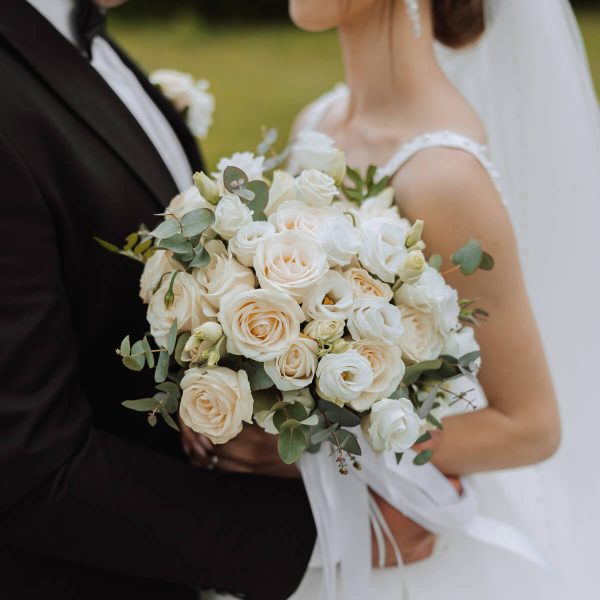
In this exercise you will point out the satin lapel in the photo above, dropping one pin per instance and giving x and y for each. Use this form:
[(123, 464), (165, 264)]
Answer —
[(186, 139), (76, 82)]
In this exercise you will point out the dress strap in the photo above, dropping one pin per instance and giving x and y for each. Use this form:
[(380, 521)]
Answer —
[(317, 110), (441, 139)]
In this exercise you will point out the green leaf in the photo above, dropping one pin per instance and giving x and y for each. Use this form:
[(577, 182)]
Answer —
[(339, 414), (107, 245), (143, 246), (469, 257), (355, 177), (435, 422), (132, 363), (132, 240), (371, 175), (148, 352), (168, 228), (176, 243), (258, 378), (261, 197), (398, 456), (428, 403), (322, 434), (234, 179), (143, 405), (467, 359), (162, 367), (347, 441), (353, 195), (292, 441), (181, 342), (197, 221), (200, 260), (172, 338), (436, 261), (291, 411), (379, 186), (424, 438), (170, 388), (152, 420), (311, 421), (423, 457), (413, 372), (125, 348), (168, 419), (487, 262)]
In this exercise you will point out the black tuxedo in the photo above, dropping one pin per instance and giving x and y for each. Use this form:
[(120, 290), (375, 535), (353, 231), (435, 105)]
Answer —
[(92, 500)]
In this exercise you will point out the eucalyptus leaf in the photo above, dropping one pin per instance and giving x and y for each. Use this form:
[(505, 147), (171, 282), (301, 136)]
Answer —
[(428, 403), (170, 388), (423, 457), (258, 378), (181, 342), (347, 441), (132, 363), (435, 422), (311, 421), (259, 202), (172, 338), (398, 456), (168, 419), (148, 352), (201, 259), (424, 438), (176, 243), (234, 179), (436, 261), (125, 348), (292, 442), (487, 262), (467, 359), (323, 434), (152, 420), (246, 195), (469, 257), (339, 414), (162, 367), (166, 229), (142, 405), (413, 372), (289, 412), (197, 221)]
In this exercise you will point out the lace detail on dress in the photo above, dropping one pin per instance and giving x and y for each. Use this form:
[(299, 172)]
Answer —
[(436, 139)]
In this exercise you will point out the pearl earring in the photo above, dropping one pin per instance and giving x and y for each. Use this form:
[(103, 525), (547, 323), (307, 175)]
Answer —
[(414, 14)]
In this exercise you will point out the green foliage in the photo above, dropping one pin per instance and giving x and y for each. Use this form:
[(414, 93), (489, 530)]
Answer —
[(423, 457), (138, 246), (338, 414), (364, 187), (293, 440), (471, 257)]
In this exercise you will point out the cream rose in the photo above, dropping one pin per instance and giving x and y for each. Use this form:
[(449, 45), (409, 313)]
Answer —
[(315, 188), (339, 239), (330, 298), (187, 201), (222, 274), (215, 402), (394, 425), (231, 214), (343, 377), (388, 371), (325, 331), (378, 207), (375, 319), (365, 286), (260, 324), (382, 250), (297, 216), (295, 368), (186, 307), (289, 262), (244, 242), (314, 150), (421, 339), (283, 189), (431, 294), (157, 266)]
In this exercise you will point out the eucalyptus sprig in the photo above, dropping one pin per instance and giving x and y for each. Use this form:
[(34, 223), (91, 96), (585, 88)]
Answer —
[(363, 188)]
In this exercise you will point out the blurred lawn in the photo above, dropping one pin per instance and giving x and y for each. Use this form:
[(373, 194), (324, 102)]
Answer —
[(261, 75)]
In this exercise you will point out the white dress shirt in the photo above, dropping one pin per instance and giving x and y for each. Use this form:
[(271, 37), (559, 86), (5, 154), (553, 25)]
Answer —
[(126, 85)]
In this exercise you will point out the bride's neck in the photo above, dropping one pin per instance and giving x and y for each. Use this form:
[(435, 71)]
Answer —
[(387, 67)]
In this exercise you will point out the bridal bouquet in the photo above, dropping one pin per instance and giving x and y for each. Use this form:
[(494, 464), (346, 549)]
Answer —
[(303, 303)]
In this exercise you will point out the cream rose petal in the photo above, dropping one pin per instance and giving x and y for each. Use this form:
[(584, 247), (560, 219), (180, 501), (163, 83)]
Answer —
[(296, 367)]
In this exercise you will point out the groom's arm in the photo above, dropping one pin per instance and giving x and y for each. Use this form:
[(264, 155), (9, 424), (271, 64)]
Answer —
[(84, 496)]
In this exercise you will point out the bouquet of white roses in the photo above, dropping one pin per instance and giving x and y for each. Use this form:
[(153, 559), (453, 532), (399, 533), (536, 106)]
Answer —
[(301, 302)]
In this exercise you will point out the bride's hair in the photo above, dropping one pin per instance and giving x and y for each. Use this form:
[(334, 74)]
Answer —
[(457, 23)]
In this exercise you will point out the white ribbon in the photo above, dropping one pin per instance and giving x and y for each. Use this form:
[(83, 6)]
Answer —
[(340, 506)]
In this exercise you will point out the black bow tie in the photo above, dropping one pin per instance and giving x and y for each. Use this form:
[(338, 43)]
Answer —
[(89, 22)]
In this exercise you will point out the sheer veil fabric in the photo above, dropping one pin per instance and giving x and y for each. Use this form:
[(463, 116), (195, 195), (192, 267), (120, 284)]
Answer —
[(529, 79)]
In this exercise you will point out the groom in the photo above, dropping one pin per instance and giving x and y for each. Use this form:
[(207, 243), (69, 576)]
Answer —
[(93, 502)]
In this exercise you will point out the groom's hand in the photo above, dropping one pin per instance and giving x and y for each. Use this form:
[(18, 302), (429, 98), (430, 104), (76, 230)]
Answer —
[(251, 451)]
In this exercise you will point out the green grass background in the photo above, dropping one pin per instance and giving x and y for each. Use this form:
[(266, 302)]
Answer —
[(260, 74)]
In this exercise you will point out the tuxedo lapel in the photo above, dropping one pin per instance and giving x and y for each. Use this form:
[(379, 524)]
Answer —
[(76, 82)]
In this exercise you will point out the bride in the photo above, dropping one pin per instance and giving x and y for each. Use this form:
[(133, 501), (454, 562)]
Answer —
[(431, 84)]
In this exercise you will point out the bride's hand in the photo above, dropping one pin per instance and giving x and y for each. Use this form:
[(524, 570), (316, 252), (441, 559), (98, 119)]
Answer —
[(252, 451)]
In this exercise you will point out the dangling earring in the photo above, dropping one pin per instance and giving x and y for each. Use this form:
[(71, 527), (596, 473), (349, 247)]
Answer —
[(414, 14)]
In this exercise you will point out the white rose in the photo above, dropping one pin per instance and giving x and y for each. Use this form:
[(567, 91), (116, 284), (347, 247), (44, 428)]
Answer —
[(460, 343), (375, 319), (431, 294), (395, 426), (200, 109), (343, 377), (222, 274), (388, 371), (187, 201), (421, 339), (378, 207), (157, 266), (186, 307), (325, 331), (289, 262), (382, 250), (260, 324), (294, 368), (365, 286), (314, 150), (297, 216), (315, 188), (413, 267), (339, 239), (231, 214), (264, 418), (244, 243), (215, 402), (251, 165), (330, 298), (283, 189), (175, 85)]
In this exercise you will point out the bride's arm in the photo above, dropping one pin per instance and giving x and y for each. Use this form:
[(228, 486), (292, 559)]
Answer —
[(455, 197)]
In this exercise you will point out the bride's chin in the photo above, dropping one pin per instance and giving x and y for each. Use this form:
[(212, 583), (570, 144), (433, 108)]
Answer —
[(314, 15)]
